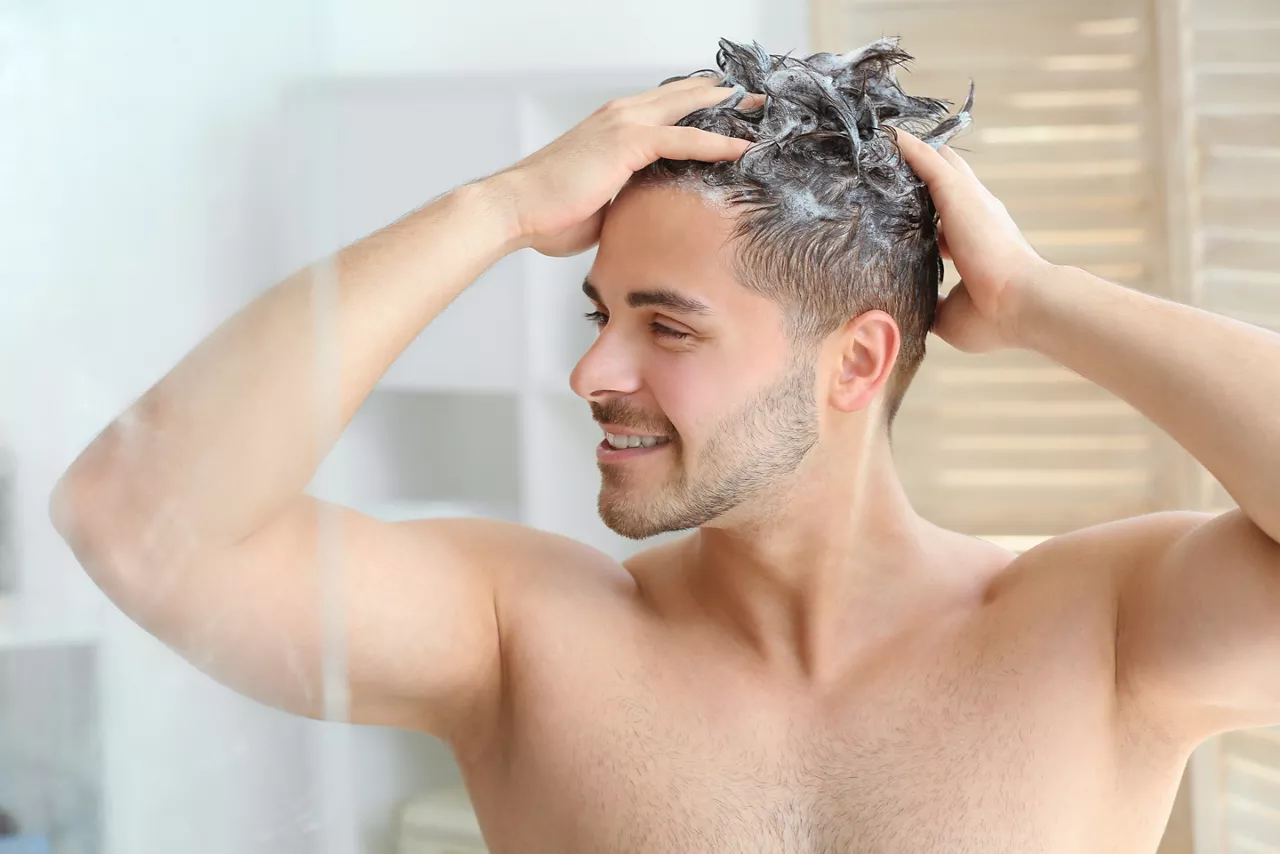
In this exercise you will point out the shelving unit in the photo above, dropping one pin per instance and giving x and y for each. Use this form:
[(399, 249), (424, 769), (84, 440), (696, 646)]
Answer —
[(475, 418), (50, 759), (21, 628), (50, 766)]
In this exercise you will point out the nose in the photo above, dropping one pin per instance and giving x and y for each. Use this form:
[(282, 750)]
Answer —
[(607, 369)]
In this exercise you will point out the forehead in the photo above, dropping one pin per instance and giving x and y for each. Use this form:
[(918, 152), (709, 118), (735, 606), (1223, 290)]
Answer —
[(667, 237)]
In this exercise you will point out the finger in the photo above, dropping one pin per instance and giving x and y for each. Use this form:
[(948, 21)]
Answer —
[(684, 84), (943, 248), (685, 143), (648, 95), (750, 101), (671, 107), (931, 166), (950, 305), (578, 238), (700, 81), (949, 154)]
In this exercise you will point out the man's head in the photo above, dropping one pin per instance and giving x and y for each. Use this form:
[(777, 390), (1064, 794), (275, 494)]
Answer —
[(815, 260)]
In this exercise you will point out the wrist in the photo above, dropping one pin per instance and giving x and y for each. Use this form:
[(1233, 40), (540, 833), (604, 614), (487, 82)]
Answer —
[(494, 199), (1026, 301)]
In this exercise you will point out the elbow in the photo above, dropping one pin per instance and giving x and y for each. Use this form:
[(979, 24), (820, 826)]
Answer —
[(80, 512), (64, 507), (93, 517)]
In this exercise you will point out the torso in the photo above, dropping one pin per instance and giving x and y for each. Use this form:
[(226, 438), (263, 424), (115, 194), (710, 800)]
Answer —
[(992, 728)]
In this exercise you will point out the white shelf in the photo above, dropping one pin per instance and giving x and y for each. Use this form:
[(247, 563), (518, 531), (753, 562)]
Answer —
[(401, 511), (445, 446), (439, 822), (22, 628)]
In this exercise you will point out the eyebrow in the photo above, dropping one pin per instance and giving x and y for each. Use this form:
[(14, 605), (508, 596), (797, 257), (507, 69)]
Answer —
[(660, 297)]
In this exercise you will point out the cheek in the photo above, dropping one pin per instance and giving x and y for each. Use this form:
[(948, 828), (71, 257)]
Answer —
[(695, 397)]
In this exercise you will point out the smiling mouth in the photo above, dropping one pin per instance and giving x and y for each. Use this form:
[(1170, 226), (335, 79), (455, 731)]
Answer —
[(622, 443)]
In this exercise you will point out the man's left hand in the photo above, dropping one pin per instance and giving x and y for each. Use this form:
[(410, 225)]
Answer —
[(995, 262)]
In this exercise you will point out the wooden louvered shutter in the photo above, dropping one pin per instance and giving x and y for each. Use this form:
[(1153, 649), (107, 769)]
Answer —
[(1225, 163), (1066, 132)]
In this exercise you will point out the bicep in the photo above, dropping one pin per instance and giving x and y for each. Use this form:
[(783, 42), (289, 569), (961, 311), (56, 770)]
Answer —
[(399, 618), (1198, 622)]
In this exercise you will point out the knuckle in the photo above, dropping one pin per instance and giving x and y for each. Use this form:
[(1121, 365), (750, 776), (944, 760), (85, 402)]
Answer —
[(613, 107), (623, 132), (614, 122)]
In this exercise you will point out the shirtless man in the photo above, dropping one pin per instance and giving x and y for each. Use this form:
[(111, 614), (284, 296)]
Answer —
[(814, 667)]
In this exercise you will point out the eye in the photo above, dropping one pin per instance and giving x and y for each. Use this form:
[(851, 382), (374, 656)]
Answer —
[(667, 332), (599, 318)]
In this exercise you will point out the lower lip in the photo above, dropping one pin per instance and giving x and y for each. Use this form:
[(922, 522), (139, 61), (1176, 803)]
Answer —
[(609, 454)]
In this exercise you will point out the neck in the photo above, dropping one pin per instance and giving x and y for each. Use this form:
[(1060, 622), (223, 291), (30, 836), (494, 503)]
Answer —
[(825, 566)]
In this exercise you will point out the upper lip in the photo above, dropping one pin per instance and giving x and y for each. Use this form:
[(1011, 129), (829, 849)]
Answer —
[(617, 430)]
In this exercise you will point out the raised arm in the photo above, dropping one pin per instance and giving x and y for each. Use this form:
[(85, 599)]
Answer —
[(1197, 595), (188, 510)]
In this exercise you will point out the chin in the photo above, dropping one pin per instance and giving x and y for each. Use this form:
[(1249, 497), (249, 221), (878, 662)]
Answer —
[(638, 517), (632, 529), (628, 517), (623, 517)]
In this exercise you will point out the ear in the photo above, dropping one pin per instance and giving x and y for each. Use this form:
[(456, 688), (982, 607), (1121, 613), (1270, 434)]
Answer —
[(867, 350)]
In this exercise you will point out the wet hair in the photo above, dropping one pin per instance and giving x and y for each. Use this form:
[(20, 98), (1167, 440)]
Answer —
[(830, 221)]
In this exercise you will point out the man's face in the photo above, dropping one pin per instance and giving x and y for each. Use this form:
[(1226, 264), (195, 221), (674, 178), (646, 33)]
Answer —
[(687, 354)]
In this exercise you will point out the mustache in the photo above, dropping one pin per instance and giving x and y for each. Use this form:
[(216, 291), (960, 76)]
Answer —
[(623, 414)]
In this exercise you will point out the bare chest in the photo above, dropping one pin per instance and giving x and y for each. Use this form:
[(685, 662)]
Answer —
[(987, 740)]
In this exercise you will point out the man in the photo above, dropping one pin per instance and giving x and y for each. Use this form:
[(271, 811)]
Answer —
[(814, 667)]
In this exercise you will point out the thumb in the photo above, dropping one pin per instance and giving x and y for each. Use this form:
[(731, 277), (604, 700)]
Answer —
[(950, 307), (574, 239)]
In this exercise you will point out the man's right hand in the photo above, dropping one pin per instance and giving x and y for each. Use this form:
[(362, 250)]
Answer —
[(557, 195)]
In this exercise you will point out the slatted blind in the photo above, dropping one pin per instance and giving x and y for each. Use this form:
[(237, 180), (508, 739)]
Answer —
[(1230, 159), (1066, 133), (1233, 91)]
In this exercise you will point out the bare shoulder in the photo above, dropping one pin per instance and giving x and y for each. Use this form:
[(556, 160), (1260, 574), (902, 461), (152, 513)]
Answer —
[(1085, 570), (507, 594), (1081, 576), (1107, 552), (534, 578), (519, 557)]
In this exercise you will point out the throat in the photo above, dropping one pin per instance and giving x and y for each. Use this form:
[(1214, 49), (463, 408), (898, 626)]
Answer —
[(814, 627)]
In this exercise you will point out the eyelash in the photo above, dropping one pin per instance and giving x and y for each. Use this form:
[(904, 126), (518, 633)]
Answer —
[(599, 318)]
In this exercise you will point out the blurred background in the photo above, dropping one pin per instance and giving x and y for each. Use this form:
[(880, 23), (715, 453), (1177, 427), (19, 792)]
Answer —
[(163, 162)]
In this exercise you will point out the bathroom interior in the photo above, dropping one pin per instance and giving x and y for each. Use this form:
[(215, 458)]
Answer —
[(163, 163)]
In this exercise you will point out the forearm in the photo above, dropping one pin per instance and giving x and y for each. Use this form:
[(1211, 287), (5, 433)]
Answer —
[(239, 426), (1211, 382)]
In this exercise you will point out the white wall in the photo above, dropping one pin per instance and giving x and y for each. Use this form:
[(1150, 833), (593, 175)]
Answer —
[(129, 229), (404, 36)]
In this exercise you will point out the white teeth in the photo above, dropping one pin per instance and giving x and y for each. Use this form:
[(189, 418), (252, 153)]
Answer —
[(623, 442)]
